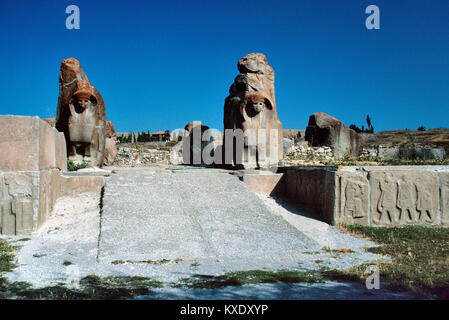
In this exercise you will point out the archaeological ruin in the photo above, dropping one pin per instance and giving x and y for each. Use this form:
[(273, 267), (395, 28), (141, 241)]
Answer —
[(251, 107), (81, 115), (364, 195), (32, 173)]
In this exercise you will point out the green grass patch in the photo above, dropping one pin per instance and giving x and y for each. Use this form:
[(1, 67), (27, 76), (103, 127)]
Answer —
[(420, 258), (239, 278), (91, 287), (7, 256), (72, 166), (338, 251)]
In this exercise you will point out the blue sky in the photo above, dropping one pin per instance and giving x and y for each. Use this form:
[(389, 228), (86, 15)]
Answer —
[(161, 64)]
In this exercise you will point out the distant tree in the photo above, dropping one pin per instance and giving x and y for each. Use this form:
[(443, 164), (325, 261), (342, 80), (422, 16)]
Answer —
[(370, 128), (355, 128), (422, 128)]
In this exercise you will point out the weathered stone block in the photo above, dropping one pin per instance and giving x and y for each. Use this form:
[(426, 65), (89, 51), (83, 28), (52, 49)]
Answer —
[(313, 187), (30, 144), (21, 185), (324, 130), (401, 197), (8, 218), (375, 196), (444, 192), (24, 213), (60, 151), (352, 198), (70, 186), (19, 142), (266, 183)]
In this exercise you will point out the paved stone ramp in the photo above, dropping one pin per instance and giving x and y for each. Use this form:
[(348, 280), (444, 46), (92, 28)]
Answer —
[(196, 214)]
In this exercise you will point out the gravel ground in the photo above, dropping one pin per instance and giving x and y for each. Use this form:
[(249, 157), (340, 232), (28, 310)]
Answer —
[(169, 223)]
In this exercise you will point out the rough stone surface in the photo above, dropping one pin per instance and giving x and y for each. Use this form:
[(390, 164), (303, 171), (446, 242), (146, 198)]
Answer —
[(30, 144), (111, 141), (80, 115), (139, 157), (27, 197), (324, 130), (197, 221), (213, 239), (411, 153), (267, 183), (250, 106)]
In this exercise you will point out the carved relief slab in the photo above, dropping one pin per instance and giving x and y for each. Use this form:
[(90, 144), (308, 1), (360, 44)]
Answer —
[(352, 197), (404, 197)]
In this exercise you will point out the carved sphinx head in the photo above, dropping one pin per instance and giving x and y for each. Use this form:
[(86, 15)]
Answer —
[(83, 95), (255, 103)]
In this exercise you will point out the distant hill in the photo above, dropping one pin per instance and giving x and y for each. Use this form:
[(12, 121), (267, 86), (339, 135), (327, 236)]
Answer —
[(433, 137)]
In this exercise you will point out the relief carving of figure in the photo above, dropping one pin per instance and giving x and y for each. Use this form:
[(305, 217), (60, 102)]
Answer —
[(386, 204), (424, 202), (353, 204), (405, 201)]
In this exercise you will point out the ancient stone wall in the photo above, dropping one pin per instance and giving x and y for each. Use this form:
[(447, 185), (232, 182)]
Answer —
[(33, 155), (371, 196)]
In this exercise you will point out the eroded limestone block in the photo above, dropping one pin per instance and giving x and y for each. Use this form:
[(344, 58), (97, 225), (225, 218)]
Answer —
[(20, 137), (23, 210), (110, 148), (8, 218), (313, 188), (21, 185), (269, 183), (61, 151), (325, 130), (444, 191), (401, 197), (50, 191), (352, 198), (70, 186), (31, 144)]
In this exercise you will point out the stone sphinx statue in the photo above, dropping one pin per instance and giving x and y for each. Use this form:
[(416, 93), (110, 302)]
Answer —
[(251, 106), (80, 115)]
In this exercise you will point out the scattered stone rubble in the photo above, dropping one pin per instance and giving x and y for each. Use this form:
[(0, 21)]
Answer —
[(139, 157), (303, 152)]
